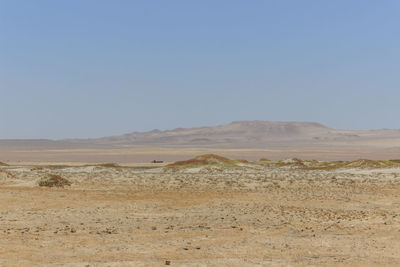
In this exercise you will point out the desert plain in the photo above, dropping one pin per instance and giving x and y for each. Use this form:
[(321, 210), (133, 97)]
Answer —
[(208, 211)]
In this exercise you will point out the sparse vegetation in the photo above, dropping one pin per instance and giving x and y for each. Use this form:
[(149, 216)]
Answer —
[(204, 160), (37, 168), (358, 164), (111, 165), (293, 162), (211, 160), (253, 200), (53, 180)]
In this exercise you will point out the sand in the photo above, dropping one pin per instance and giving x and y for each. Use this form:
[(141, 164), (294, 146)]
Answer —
[(247, 216), (132, 156)]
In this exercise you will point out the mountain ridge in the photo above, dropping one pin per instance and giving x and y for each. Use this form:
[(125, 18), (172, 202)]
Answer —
[(236, 134), (253, 134)]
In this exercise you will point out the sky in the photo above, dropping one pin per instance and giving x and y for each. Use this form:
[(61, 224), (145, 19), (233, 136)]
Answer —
[(92, 68)]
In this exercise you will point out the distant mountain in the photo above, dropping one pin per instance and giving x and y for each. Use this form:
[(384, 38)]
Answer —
[(254, 134), (239, 134)]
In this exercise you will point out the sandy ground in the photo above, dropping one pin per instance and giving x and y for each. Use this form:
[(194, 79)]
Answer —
[(249, 216), (18, 156)]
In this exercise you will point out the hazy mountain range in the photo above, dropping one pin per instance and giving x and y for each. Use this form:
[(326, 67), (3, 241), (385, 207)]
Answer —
[(239, 134)]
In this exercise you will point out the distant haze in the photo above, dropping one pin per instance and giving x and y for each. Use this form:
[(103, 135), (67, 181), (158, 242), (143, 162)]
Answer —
[(241, 139), (80, 69), (239, 134)]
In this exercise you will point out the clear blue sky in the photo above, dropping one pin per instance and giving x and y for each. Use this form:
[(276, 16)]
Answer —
[(90, 68)]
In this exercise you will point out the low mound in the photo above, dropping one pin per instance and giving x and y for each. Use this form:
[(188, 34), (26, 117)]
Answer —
[(203, 160), (290, 162), (3, 164), (365, 163), (211, 160), (37, 168), (357, 164), (54, 180), (109, 165)]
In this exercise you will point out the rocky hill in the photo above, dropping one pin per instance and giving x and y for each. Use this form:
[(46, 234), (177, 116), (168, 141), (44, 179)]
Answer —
[(239, 134)]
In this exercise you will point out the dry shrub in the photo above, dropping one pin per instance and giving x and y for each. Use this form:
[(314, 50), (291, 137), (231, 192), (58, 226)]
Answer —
[(37, 168), (54, 180), (109, 165)]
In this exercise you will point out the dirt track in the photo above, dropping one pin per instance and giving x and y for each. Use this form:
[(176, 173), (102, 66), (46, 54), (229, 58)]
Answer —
[(241, 217)]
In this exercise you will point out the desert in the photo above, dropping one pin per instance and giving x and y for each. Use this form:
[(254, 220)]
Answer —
[(205, 211), (199, 133)]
